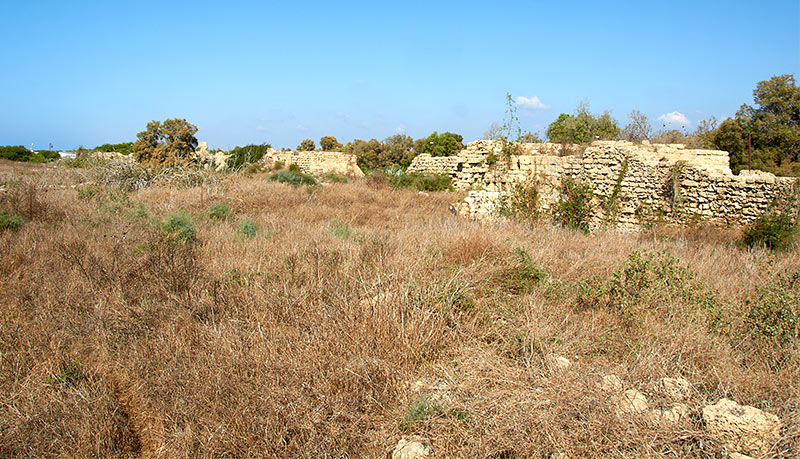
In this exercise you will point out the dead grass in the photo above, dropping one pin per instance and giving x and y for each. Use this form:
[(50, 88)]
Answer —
[(117, 342)]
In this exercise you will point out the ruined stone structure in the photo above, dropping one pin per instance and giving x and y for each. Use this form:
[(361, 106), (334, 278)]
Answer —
[(317, 162), (632, 184)]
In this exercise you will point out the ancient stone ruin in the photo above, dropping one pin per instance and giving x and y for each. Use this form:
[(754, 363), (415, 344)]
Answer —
[(632, 184)]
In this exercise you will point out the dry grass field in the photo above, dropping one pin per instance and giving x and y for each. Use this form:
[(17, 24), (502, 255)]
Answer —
[(333, 322)]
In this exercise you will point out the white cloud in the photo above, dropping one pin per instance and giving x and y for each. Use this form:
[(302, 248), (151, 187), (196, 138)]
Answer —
[(260, 128), (675, 117), (400, 129), (531, 103)]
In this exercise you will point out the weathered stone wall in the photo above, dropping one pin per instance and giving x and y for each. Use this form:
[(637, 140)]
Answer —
[(318, 162), (650, 182)]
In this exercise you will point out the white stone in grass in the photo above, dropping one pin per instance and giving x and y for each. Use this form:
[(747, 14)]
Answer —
[(410, 449), (742, 429), (558, 362), (632, 401), (675, 388), (611, 383)]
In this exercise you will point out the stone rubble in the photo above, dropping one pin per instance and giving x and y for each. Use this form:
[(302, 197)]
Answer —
[(741, 429)]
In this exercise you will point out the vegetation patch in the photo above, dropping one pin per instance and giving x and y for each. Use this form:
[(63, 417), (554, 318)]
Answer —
[(293, 177), (574, 210), (247, 228), (422, 182), (179, 226), (219, 211), (10, 222)]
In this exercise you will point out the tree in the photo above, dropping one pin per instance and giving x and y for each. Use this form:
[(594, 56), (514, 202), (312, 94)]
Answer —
[(638, 127), (397, 150), (171, 142), (774, 125), (329, 143), (306, 145), (495, 132), (369, 154), (582, 127), (445, 144)]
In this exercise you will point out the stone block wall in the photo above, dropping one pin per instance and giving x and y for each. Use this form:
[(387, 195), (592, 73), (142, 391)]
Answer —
[(650, 182), (318, 162)]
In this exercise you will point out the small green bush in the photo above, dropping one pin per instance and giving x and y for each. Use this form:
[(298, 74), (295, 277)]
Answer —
[(775, 231), (10, 221), (139, 213), (521, 203), (340, 228), (523, 275), (293, 177), (179, 226), (247, 228), (775, 315), (422, 182), (278, 165), (574, 210), (219, 211)]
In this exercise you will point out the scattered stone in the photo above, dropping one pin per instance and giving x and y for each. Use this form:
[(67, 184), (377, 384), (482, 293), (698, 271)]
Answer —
[(558, 362), (611, 383), (675, 388), (671, 415), (742, 429), (738, 456), (632, 401), (411, 449)]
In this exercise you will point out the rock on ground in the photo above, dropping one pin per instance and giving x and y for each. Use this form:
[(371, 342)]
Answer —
[(675, 388), (632, 401), (743, 429), (410, 449)]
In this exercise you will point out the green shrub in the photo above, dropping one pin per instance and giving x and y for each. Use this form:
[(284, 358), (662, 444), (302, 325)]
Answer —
[(523, 275), (521, 203), (139, 213), (121, 148), (775, 315), (775, 231), (240, 156), (426, 408), (293, 177), (422, 182), (179, 226), (219, 211), (247, 228), (574, 210), (278, 165), (10, 221)]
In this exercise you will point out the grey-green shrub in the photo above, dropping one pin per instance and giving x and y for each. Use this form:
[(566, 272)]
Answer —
[(247, 228), (10, 221), (179, 226), (219, 211)]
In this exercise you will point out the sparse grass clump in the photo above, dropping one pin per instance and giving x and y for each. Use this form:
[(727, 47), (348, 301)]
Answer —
[(775, 314), (340, 228), (86, 192), (334, 178), (521, 203), (294, 178)]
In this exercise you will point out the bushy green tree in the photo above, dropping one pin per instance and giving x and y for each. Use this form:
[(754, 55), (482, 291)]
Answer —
[(171, 142), (329, 143), (398, 150), (773, 123), (369, 154), (444, 144), (306, 145), (249, 154), (583, 127)]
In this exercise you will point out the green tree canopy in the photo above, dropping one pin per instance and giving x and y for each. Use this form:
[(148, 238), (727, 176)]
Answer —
[(329, 143), (583, 127), (165, 143), (306, 145), (773, 123), (444, 144)]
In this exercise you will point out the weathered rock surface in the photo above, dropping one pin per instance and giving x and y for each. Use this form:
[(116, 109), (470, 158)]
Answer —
[(675, 388), (611, 383), (632, 401), (411, 449), (741, 429), (557, 362), (670, 415)]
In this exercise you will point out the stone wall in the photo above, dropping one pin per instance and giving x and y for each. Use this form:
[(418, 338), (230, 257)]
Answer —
[(650, 182), (318, 162)]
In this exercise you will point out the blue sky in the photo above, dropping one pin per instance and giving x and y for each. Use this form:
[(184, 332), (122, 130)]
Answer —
[(87, 73)]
